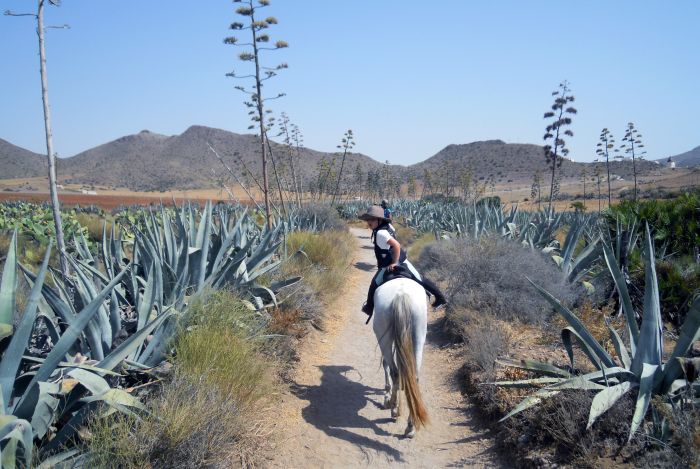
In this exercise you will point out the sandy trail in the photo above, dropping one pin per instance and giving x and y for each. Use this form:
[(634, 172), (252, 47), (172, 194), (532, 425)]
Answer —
[(332, 417)]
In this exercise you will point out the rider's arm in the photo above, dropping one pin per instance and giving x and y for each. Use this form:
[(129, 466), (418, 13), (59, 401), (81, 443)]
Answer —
[(395, 247)]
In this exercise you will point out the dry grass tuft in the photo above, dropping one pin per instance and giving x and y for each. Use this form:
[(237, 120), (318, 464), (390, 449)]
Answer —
[(93, 223), (326, 256), (212, 412)]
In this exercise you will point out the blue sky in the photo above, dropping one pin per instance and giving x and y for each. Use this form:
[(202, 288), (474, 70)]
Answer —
[(408, 77)]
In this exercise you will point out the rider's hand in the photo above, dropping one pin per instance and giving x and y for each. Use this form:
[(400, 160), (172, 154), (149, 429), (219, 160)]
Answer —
[(391, 267)]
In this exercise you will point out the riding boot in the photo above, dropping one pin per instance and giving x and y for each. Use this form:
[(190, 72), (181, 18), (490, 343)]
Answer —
[(434, 290), (368, 307)]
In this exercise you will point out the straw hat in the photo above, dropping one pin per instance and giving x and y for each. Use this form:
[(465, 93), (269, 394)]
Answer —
[(375, 211)]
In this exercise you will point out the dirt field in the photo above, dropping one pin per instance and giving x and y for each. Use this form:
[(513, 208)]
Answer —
[(36, 189)]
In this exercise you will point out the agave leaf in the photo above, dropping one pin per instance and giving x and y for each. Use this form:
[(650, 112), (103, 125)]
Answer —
[(87, 292), (131, 345), (566, 334), (584, 260), (529, 402), (147, 300), (257, 272), (279, 284), (646, 384), (577, 326), (609, 373), (91, 381), (621, 285), (607, 398), (619, 346), (60, 308), (12, 432), (116, 398), (8, 288), (69, 428), (689, 334), (56, 460), (650, 346), (525, 383), (155, 350), (18, 344), (71, 365), (533, 365), (59, 350), (45, 409), (577, 382), (570, 243)]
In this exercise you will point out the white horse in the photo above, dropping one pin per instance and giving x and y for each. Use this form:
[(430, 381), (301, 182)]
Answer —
[(400, 324)]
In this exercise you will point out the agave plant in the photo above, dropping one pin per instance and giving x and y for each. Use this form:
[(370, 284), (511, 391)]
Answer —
[(638, 367), (49, 396)]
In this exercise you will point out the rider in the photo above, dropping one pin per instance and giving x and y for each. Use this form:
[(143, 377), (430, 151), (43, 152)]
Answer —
[(387, 210), (391, 258)]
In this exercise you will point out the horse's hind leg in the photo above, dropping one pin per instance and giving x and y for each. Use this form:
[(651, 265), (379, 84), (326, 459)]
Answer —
[(393, 403), (410, 429), (391, 374), (387, 381)]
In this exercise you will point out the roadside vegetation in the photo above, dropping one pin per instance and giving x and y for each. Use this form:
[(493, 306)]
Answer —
[(169, 340), (564, 322)]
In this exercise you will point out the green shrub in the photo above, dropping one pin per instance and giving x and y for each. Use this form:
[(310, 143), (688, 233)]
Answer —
[(675, 222)]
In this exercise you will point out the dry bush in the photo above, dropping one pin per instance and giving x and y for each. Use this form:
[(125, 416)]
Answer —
[(489, 276), (682, 449), (485, 340), (554, 432)]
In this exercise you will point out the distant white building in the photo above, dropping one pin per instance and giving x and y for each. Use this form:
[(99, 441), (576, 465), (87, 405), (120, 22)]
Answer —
[(671, 164)]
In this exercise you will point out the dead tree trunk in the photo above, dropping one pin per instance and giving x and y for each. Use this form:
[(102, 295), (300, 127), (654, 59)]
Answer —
[(53, 189)]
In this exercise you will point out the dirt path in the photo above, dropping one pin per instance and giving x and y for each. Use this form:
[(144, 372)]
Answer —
[(333, 416)]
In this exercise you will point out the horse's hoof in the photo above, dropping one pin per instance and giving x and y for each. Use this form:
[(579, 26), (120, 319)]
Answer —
[(386, 401), (410, 433), (394, 413)]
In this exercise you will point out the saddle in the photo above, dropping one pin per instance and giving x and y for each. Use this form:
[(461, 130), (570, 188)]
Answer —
[(400, 271)]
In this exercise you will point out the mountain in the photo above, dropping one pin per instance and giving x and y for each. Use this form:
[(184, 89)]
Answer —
[(511, 162), (16, 162), (148, 161), (685, 160), (152, 162)]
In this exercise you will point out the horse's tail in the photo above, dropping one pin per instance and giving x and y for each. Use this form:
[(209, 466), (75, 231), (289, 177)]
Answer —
[(402, 307)]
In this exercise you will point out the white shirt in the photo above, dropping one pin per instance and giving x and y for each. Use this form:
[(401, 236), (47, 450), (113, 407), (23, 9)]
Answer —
[(382, 238)]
